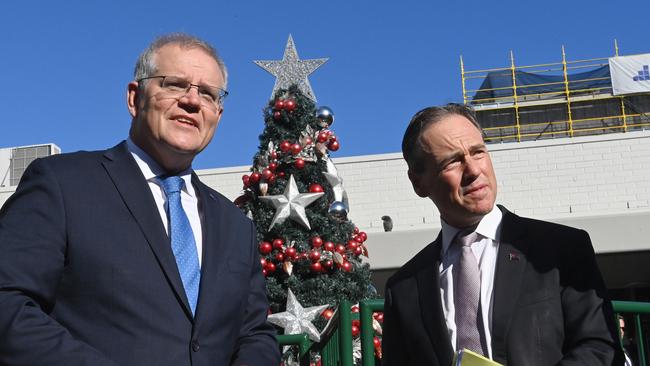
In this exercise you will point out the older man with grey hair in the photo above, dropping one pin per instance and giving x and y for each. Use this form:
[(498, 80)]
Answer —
[(123, 256)]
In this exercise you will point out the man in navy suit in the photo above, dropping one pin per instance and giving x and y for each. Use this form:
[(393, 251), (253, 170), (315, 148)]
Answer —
[(90, 267), (520, 291)]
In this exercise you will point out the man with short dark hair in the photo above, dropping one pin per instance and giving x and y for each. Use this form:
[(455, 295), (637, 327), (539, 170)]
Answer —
[(122, 256), (516, 290)]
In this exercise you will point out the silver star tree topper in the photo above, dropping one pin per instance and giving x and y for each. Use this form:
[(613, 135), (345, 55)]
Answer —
[(297, 319), (292, 70), (291, 204)]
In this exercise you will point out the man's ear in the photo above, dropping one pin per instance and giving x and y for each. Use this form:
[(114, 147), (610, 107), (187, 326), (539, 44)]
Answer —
[(416, 181), (132, 98)]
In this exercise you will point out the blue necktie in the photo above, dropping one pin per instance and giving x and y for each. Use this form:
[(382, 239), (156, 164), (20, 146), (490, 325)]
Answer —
[(182, 238)]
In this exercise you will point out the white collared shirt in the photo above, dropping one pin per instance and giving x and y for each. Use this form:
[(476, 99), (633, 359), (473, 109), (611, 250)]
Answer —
[(485, 250), (151, 171)]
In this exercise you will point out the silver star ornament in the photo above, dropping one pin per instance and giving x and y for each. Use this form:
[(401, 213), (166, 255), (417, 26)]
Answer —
[(292, 70), (291, 204), (296, 319), (336, 182)]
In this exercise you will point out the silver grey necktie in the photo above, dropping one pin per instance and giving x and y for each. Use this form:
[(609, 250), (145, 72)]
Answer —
[(467, 294)]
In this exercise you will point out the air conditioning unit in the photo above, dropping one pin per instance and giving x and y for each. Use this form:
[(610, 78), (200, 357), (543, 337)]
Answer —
[(14, 161)]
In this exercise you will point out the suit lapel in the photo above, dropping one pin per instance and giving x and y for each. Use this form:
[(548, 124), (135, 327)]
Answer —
[(135, 192), (213, 239), (510, 266), (428, 284)]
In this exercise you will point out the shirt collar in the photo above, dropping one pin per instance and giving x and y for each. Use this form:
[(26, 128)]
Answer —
[(152, 170), (489, 227)]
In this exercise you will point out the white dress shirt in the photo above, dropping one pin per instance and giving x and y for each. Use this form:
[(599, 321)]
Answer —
[(151, 171), (485, 250)]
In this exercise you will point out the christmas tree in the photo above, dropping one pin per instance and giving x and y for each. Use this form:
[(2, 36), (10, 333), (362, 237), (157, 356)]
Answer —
[(311, 254), (297, 200)]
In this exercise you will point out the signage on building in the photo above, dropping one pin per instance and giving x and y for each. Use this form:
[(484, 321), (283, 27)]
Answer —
[(630, 74)]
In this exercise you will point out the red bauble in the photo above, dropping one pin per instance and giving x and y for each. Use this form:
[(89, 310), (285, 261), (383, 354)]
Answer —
[(354, 309), (358, 251), (281, 174), (329, 246), (277, 115), (280, 104), (270, 267), (308, 141), (266, 173), (355, 331), (376, 342), (363, 235), (265, 272), (356, 323), (315, 188), (316, 241), (340, 248), (358, 239), (273, 166), (262, 262), (296, 149), (285, 146), (356, 230), (322, 137), (274, 154), (314, 255), (327, 314), (278, 243), (347, 267), (265, 247), (379, 317), (316, 267), (328, 264), (246, 180), (352, 245), (290, 252), (333, 138), (271, 179), (289, 105), (279, 256), (333, 145), (299, 163), (255, 177)]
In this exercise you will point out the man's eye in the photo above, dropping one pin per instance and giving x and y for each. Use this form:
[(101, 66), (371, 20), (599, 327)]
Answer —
[(451, 165), (174, 84), (207, 94)]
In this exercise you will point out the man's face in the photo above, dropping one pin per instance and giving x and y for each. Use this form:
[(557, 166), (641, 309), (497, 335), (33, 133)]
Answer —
[(171, 129), (457, 174)]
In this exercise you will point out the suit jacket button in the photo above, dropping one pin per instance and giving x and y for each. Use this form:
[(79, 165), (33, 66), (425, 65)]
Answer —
[(195, 346)]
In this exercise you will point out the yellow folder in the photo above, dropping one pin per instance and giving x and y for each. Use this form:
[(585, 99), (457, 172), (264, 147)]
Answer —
[(466, 357)]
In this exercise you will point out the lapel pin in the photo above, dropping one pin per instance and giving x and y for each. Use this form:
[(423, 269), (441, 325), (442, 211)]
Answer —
[(513, 256)]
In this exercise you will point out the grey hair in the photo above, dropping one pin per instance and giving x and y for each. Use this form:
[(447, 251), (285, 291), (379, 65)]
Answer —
[(412, 148), (146, 64)]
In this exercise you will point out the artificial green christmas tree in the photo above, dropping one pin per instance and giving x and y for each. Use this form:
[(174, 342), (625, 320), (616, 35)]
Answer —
[(307, 245)]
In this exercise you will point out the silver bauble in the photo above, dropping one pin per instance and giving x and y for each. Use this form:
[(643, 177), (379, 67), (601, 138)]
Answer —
[(325, 116), (338, 210)]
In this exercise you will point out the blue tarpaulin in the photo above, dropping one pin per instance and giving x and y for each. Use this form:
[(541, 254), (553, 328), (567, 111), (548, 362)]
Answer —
[(503, 79)]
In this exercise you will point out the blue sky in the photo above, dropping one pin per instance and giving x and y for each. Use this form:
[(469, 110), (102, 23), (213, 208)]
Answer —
[(67, 63)]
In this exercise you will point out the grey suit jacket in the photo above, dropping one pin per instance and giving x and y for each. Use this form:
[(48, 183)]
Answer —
[(550, 306)]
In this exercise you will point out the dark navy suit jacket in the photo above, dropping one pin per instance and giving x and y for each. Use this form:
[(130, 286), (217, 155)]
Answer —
[(87, 275), (550, 306)]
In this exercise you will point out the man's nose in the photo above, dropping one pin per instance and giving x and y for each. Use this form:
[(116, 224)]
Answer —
[(191, 96), (472, 168)]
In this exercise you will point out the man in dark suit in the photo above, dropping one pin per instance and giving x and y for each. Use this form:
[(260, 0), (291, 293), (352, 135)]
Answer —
[(123, 257), (517, 290)]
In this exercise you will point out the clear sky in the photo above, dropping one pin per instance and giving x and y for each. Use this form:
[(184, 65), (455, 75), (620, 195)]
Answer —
[(66, 63)]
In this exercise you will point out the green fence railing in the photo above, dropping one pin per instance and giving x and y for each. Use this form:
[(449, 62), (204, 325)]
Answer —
[(636, 309), (336, 346)]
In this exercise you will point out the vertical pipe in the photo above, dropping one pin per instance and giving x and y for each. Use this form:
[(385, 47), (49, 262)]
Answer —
[(514, 94), (567, 92), (462, 78)]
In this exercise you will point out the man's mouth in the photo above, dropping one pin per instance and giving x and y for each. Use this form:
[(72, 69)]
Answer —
[(186, 120), (476, 189)]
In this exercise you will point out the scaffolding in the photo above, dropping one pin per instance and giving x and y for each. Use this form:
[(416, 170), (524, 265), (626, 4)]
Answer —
[(575, 100)]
